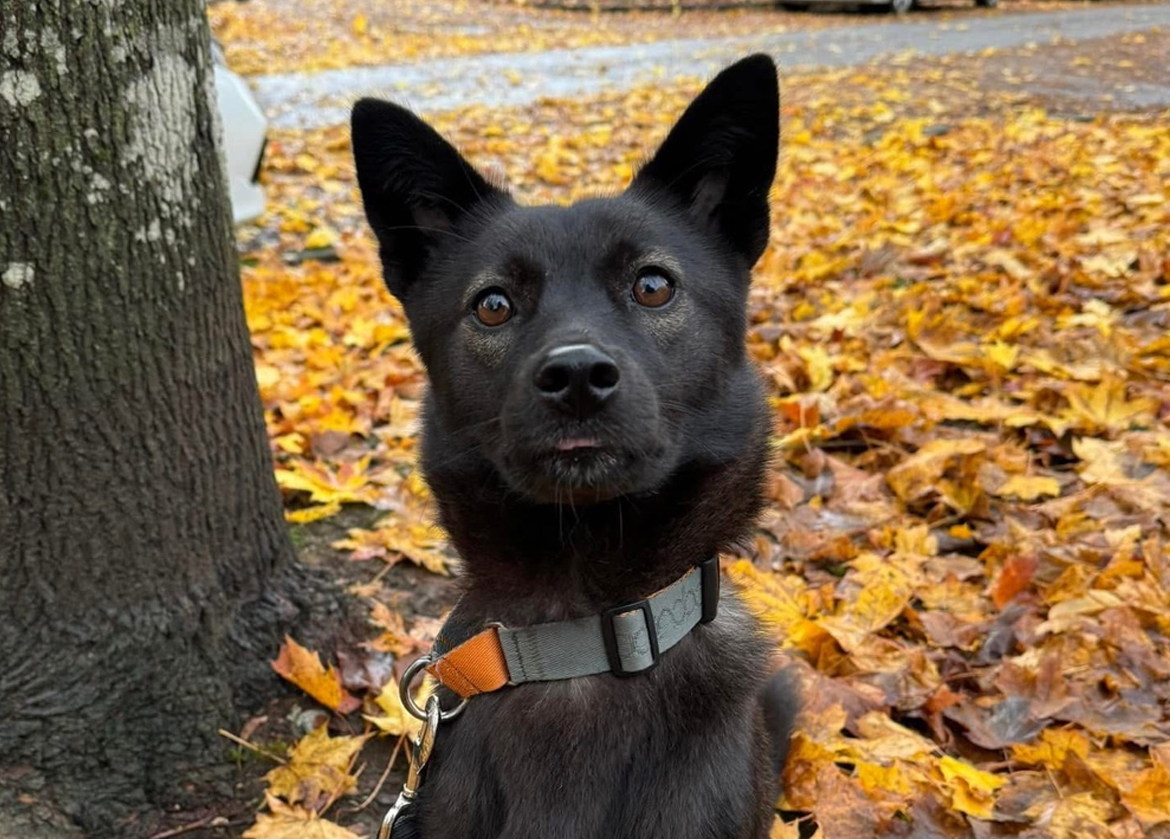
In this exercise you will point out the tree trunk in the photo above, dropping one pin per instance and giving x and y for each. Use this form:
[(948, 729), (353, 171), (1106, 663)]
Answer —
[(138, 513)]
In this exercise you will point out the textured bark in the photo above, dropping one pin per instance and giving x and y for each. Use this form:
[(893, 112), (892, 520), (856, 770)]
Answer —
[(138, 514)]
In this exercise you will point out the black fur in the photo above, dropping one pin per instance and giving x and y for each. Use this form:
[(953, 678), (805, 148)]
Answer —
[(665, 472)]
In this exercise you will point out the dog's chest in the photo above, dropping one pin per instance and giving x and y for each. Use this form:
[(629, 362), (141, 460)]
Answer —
[(581, 760)]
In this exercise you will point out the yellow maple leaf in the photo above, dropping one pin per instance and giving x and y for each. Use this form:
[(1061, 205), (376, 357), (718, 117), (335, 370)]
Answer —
[(422, 543), (318, 765), (394, 638), (805, 756), (918, 475), (1103, 462), (322, 237), (782, 604), (307, 162), (999, 258), (290, 822), (1070, 614), (1072, 815), (1114, 265), (267, 377), (971, 790), (303, 668), (879, 781), (291, 443), (1029, 487), (349, 483), (877, 591), (397, 720), (815, 266), (1148, 797), (1106, 406), (818, 366), (1003, 356), (361, 24), (402, 419), (983, 411), (1052, 748), (884, 741), (312, 514)]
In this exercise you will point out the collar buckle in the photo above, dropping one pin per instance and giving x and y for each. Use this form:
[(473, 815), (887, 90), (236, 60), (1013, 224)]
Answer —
[(709, 569), (609, 635)]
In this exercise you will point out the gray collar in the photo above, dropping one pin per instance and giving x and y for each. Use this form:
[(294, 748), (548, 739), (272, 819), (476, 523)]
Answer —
[(624, 640)]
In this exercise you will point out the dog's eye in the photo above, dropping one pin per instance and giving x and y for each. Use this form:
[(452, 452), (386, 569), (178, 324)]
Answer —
[(493, 307), (653, 288)]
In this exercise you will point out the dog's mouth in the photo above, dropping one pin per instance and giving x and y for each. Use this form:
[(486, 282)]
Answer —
[(569, 445), (578, 469), (583, 471)]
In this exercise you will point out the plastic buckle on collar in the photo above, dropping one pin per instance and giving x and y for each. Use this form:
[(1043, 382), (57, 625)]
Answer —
[(609, 635), (709, 568)]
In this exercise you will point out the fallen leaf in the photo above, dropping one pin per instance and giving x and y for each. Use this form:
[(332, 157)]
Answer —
[(396, 720), (1014, 577), (317, 769), (1029, 487), (290, 822), (303, 668), (971, 790)]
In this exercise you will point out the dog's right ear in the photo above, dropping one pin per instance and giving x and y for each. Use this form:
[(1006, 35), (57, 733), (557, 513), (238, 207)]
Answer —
[(415, 187)]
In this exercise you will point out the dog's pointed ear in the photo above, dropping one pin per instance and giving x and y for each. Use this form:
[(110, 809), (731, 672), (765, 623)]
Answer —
[(719, 159), (416, 187)]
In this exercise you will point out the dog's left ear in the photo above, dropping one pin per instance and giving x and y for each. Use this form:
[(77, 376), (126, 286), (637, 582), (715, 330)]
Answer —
[(719, 160)]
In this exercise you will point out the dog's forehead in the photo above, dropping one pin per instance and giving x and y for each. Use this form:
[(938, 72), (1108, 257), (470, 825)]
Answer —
[(589, 230)]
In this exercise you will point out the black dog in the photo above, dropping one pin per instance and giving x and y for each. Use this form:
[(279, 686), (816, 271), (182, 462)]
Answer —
[(593, 430)]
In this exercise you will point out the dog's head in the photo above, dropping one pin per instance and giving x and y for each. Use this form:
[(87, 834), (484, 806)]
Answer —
[(583, 352)]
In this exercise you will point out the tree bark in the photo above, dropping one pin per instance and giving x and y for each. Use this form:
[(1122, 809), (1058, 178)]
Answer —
[(138, 512)]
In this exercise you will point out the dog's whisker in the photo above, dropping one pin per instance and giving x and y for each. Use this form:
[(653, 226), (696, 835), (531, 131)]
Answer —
[(418, 228)]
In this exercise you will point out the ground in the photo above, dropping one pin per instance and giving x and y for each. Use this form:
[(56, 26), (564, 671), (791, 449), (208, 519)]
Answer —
[(962, 320), (275, 36)]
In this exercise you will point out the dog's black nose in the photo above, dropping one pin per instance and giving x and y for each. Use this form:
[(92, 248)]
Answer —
[(578, 378)]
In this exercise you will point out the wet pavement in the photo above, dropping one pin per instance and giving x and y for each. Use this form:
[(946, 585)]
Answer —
[(319, 99)]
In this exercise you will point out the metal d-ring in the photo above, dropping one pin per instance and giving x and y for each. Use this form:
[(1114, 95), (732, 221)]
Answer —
[(407, 698)]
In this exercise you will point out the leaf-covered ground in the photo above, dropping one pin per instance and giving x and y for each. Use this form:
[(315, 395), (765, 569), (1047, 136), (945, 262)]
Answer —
[(964, 322)]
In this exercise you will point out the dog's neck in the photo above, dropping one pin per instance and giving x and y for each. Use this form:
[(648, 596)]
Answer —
[(527, 562)]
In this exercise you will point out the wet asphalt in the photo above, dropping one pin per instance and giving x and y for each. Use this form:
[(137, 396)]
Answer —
[(320, 99)]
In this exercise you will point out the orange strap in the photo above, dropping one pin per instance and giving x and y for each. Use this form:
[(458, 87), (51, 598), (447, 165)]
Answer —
[(475, 666)]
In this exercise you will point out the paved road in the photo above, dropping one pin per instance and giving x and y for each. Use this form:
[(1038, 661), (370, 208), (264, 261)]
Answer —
[(309, 100)]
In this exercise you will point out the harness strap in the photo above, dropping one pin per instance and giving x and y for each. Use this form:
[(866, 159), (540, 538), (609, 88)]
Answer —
[(623, 640)]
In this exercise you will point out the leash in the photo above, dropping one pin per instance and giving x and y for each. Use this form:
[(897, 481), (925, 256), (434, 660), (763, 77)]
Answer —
[(471, 659)]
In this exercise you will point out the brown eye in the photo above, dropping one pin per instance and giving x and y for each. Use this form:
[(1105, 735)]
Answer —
[(493, 308), (653, 288)]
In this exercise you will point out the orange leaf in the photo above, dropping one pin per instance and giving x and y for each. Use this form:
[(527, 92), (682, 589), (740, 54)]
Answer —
[(1014, 578), (303, 668)]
